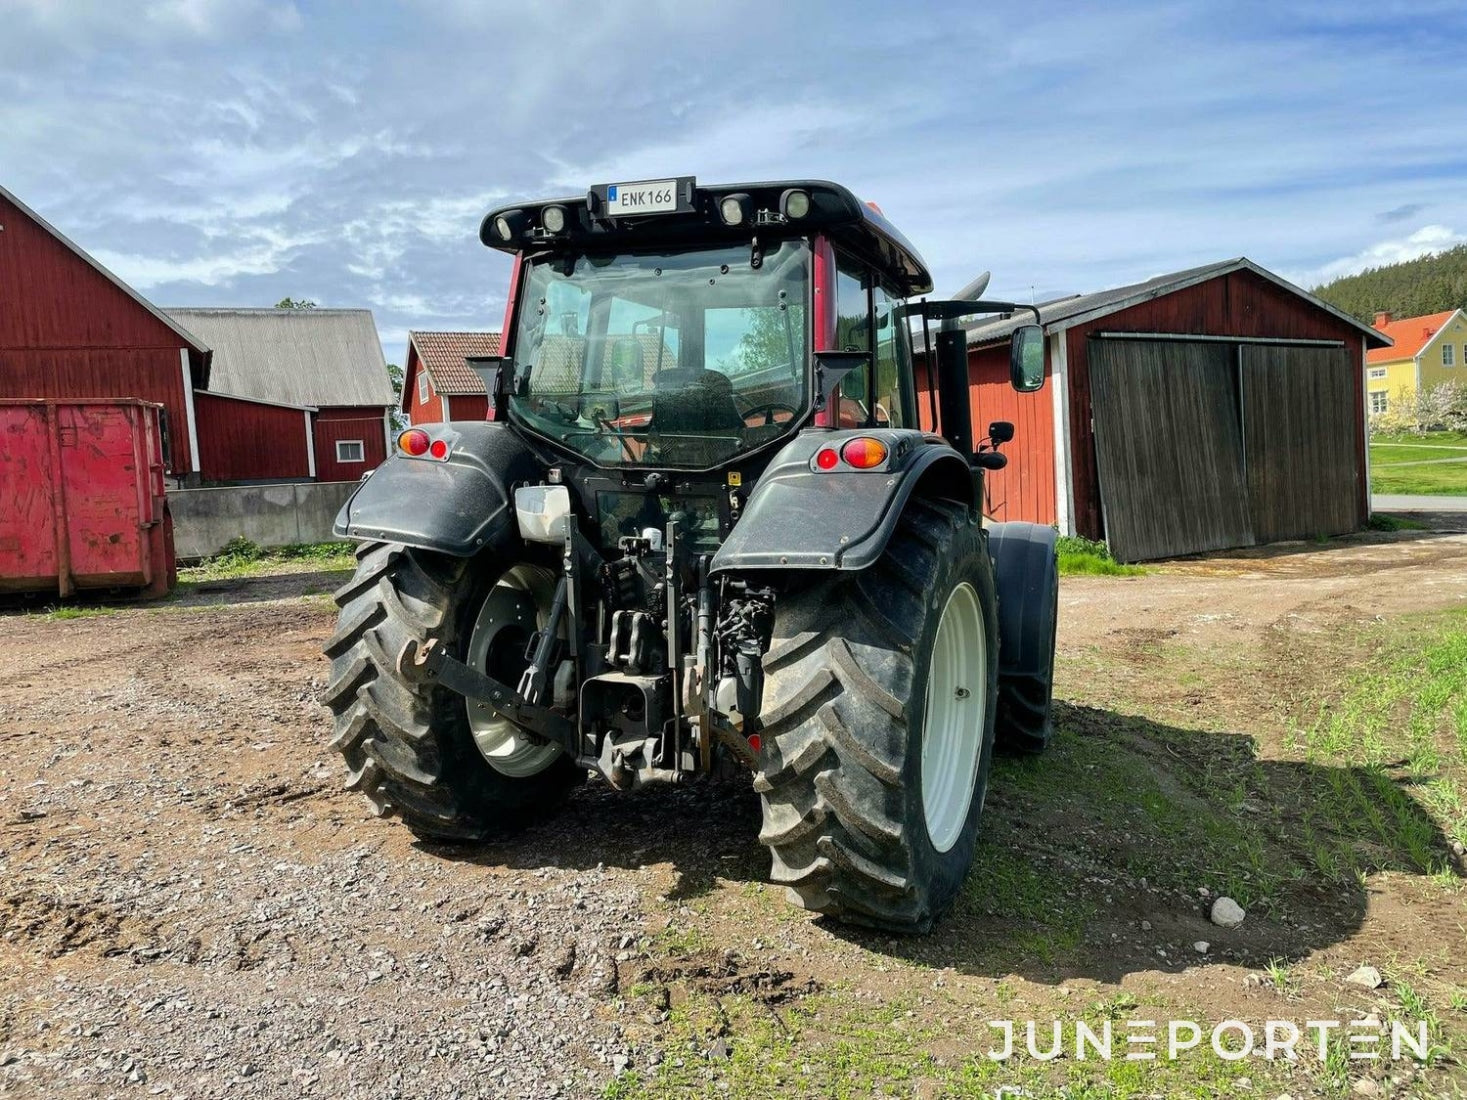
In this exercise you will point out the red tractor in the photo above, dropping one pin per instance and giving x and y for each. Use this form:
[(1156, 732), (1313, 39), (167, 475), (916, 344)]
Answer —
[(702, 531)]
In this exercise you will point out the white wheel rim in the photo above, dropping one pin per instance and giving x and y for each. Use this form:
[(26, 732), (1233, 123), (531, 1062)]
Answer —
[(957, 700), (500, 741)]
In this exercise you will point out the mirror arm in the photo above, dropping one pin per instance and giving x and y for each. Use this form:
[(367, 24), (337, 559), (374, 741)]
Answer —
[(493, 369), (830, 368)]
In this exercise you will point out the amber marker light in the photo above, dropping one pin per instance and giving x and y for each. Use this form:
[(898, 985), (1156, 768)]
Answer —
[(413, 442), (863, 452)]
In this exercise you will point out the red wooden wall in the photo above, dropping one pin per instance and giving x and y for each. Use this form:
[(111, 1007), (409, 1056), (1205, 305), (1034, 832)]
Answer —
[(469, 406), (249, 441), (66, 330), (1024, 489), (1238, 304), (430, 409), (365, 423)]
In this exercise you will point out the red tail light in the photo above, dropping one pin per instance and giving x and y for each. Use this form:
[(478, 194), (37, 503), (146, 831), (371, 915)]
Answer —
[(439, 449), (863, 452), (827, 459), (414, 442)]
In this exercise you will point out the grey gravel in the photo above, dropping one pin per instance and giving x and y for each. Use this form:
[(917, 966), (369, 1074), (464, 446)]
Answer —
[(182, 915)]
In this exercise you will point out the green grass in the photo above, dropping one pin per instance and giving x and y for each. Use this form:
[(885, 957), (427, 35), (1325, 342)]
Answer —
[(1382, 522), (1388, 475), (1086, 557), (1448, 480), (1451, 439), (1392, 454), (242, 558), (62, 614), (1400, 722)]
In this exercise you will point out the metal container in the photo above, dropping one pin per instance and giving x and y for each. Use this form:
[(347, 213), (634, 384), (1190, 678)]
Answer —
[(82, 502)]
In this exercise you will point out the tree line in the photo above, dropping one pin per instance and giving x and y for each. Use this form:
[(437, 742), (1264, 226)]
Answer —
[(1431, 284)]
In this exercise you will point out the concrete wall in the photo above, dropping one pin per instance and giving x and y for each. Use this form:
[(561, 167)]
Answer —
[(270, 515)]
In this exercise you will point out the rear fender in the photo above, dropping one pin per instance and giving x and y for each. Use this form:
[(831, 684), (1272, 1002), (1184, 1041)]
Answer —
[(799, 517), (1027, 575), (458, 507)]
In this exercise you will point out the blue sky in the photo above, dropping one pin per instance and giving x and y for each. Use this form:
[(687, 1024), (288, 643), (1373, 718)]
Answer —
[(233, 152)]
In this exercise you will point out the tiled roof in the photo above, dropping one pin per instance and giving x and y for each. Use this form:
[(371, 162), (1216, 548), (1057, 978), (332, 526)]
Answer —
[(1411, 334), (442, 353)]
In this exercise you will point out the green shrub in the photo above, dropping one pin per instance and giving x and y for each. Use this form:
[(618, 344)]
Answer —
[(1380, 522), (238, 551), (1087, 557)]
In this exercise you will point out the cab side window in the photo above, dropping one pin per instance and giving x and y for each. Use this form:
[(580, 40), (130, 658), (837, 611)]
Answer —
[(853, 333), (892, 382)]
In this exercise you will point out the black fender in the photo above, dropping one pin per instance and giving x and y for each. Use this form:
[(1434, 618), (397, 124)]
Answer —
[(1027, 573), (459, 506), (799, 517)]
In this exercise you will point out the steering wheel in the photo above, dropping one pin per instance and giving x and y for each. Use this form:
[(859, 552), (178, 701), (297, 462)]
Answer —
[(769, 408)]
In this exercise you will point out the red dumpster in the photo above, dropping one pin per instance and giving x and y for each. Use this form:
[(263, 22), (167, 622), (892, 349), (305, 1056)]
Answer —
[(82, 500)]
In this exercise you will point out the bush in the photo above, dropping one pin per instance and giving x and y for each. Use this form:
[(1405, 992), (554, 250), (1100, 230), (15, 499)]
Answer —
[(238, 551), (1443, 407), (1086, 556)]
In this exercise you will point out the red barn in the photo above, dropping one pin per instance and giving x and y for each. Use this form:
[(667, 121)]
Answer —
[(294, 394), (1210, 408), (437, 384), (70, 329)]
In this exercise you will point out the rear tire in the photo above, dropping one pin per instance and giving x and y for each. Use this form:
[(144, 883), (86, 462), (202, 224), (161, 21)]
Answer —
[(846, 720), (409, 747)]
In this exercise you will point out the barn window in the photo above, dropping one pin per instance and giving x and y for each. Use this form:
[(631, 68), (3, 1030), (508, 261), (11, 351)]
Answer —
[(1377, 372), (350, 450), (1449, 357), (1378, 402), (422, 387)]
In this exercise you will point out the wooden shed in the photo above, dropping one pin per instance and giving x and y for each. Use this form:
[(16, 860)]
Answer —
[(1207, 409), (438, 385), (294, 394), (70, 329)]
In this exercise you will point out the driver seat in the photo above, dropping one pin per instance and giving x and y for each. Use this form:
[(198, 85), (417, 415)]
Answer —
[(693, 401)]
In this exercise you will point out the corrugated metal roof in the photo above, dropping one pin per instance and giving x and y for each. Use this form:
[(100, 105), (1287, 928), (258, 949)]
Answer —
[(318, 357), (442, 354), (198, 345), (1098, 304)]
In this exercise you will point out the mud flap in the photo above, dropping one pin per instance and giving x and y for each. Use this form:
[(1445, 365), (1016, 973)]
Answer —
[(1027, 570)]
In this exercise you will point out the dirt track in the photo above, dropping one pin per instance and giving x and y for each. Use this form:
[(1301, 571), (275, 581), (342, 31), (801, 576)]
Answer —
[(189, 905)]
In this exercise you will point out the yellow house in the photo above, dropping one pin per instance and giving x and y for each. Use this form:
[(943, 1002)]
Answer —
[(1428, 351)]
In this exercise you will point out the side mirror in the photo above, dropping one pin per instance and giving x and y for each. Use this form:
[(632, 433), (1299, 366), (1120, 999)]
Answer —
[(1026, 358), (1000, 432)]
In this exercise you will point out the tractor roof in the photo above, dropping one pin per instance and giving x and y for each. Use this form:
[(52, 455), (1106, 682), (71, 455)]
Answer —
[(833, 210)]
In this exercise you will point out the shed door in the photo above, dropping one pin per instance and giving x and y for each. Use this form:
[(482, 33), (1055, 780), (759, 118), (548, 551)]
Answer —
[(1301, 435), (1168, 447)]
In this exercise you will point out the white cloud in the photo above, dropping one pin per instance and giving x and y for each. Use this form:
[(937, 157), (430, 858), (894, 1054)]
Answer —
[(1427, 240), (263, 252)]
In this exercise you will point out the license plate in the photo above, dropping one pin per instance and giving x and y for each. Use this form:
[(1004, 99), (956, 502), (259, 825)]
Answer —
[(647, 197)]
